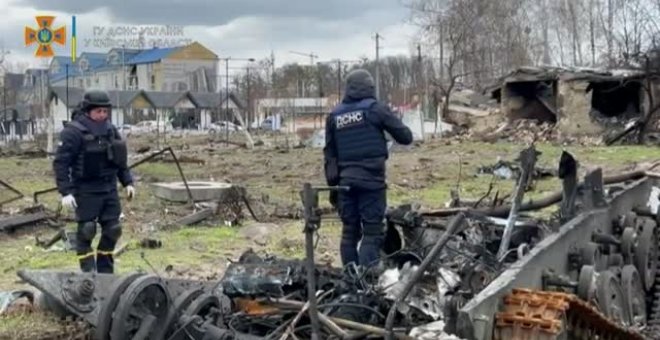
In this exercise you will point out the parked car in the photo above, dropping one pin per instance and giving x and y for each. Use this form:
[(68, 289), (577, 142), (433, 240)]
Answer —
[(223, 126), (268, 124), (147, 126), (126, 128)]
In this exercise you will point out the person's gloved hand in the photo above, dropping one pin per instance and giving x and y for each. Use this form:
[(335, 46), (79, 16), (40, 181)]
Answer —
[(130, 191), (69, 202)]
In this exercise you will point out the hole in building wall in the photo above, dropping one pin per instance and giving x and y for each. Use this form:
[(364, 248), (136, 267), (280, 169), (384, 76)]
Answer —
[(611, 99), (497, 95), (535, 100)]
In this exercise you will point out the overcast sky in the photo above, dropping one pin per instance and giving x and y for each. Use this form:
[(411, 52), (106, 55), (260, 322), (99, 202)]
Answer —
[(237, 28)]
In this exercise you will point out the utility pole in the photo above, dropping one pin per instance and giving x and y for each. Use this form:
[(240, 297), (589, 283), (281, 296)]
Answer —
[(226, 101), (50, 118), (66, 67), (227, 97), (3, 53), (339, 80), (423, 105), (311, 56), (378, 37), (441, 43), (123, 67), (249, 103)]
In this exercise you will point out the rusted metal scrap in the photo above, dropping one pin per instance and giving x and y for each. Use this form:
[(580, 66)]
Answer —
[(17, 194), (537, 204), (253, 300), (599, 268), (527, 162)]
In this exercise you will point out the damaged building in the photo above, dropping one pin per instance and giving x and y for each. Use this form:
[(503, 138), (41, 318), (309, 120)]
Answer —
[(579, 101)]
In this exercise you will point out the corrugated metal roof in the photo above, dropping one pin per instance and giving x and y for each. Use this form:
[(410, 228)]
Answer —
[(163, 99), (208, 99), (96, 60), (123, 98), (62, 61), (152, 55), (158, 99), (75, 95)]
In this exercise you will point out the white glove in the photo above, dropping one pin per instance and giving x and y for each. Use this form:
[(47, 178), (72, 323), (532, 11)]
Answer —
[(69, 202), (130, 192)]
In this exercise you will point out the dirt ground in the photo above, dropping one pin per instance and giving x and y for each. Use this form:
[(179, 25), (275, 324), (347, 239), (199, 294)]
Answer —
[(272, 175)]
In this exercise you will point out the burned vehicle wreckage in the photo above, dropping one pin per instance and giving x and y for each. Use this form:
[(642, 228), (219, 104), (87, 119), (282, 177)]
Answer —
[(481, 271)]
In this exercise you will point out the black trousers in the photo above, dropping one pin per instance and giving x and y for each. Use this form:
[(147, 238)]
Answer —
[(362, 212), (105, 209)]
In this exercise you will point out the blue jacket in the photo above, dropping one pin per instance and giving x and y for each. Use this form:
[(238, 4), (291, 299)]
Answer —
[(355, 145), (69, 157)]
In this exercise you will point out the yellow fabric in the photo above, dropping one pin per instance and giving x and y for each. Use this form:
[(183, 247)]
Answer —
[(84, 256)]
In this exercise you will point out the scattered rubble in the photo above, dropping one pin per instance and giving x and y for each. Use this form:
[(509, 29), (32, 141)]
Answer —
[(442, 275), (29, 153), (511, 170)]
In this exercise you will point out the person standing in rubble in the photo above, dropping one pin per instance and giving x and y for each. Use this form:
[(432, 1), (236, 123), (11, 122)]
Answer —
[(90, 157), (354, 155)]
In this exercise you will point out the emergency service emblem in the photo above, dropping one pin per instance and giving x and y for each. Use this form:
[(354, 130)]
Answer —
[(349, 119), (45, 35)]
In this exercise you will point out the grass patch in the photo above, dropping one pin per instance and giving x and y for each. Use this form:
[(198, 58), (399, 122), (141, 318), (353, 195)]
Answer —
[(190, 246), (29, 325)]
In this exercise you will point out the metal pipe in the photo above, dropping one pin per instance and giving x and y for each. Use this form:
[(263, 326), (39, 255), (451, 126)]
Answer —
[(534, 204), (36, 194), (227, 101), (309, 199), (67, 92), (451, 229), (12, 189), (527, 162)]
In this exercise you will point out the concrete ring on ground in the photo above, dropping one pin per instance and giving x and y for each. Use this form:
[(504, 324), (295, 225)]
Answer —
[(201, 191)]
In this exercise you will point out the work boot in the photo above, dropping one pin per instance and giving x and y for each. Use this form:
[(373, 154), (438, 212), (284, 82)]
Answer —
[(105, 262), (87, 263)]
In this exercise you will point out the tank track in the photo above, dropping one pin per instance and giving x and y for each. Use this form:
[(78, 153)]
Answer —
[(544, 315), (653, 330)]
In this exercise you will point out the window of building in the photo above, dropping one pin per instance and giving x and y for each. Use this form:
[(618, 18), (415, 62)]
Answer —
[(88, 82), (112, 59), (116, 81), (84, 65), (153, 81)]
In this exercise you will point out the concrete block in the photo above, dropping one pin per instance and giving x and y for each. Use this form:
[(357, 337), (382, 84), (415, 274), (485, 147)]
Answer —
[(201, 191)]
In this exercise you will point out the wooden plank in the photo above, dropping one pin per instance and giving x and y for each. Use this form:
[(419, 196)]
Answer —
[(196, 217), (13, 223)]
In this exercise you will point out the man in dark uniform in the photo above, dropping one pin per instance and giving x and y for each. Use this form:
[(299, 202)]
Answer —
[(91, 156), (355, 153)]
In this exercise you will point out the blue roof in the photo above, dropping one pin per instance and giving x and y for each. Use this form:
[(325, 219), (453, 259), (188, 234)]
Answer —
[(95, 59), (74, 70), (152, 55)]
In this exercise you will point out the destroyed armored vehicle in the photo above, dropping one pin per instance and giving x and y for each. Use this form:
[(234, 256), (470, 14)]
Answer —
[(475, 270)]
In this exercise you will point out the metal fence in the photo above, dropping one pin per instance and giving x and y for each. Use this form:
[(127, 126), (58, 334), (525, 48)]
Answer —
[(18, 130)]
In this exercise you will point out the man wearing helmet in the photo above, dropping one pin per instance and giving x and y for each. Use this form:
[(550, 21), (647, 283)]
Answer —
[(355, 154), (91, 156)]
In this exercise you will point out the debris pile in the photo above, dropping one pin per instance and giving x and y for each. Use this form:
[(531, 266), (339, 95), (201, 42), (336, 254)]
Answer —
[(258, 297), (511, 170), (527, 131)]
